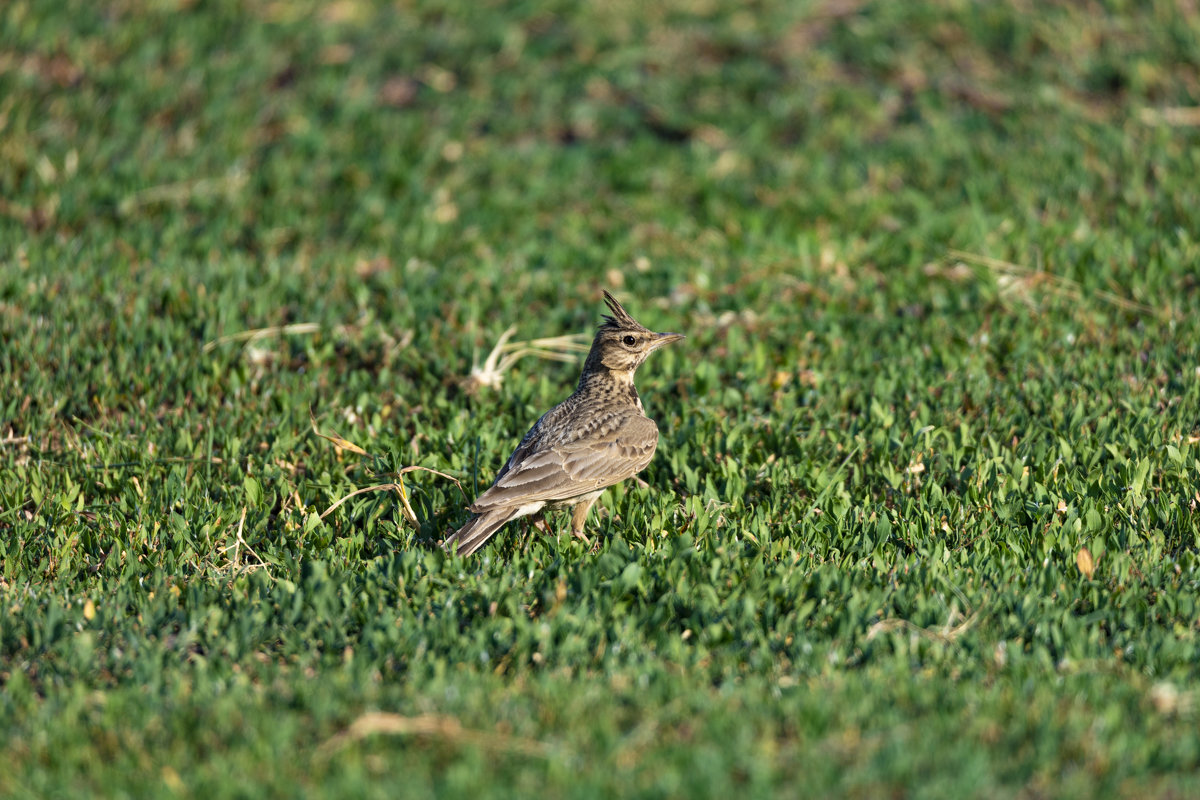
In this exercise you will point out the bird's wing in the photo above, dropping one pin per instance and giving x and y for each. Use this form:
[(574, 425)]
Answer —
[(478, 529), (552, 468)]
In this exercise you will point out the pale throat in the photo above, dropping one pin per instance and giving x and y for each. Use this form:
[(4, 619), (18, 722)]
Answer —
[(617, 382)]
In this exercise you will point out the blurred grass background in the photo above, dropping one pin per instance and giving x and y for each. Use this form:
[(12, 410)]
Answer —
[(923, 518)]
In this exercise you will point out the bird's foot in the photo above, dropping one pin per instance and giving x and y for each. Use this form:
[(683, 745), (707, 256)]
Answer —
[(594, 546)]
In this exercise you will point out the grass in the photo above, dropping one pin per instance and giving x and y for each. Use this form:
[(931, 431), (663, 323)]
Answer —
[(923, 521)]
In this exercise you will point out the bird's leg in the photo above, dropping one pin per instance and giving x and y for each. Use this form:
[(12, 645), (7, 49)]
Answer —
[(539, 522), (535, 522), (578, 516)]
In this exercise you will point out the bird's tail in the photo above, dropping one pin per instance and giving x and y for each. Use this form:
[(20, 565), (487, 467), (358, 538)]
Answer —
[(474, 535)]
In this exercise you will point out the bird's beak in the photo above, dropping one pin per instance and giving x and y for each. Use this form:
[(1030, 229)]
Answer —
[(664, 338)]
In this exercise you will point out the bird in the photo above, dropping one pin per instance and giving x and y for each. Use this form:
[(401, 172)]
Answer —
[(597, 437)]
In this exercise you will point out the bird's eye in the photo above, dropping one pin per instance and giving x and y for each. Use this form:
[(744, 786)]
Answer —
[(629, 341)]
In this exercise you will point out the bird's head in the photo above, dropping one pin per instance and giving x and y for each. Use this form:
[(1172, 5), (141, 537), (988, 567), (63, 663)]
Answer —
[(622, 343)]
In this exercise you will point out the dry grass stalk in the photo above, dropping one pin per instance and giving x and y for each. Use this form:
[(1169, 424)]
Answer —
[(254, 334), (237, 546), (1172, 116), (228, 185), (1016, 280), (948, 634), (436, 726), (398, 487), (504, 354)]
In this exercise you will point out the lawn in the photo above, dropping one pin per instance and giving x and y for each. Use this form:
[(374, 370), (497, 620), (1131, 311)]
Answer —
[(923, 520)]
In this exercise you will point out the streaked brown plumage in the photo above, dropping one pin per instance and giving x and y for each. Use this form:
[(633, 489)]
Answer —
[(597, 437)]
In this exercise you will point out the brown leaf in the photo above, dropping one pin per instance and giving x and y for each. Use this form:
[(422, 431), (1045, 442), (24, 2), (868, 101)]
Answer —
[(337, 440), (1083, 560), (398, 91)]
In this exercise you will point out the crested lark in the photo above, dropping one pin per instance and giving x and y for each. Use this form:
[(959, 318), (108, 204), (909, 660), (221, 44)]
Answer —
[(597, 437)]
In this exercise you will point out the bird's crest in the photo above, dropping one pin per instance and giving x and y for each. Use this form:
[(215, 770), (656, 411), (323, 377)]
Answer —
[(620, 319)]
